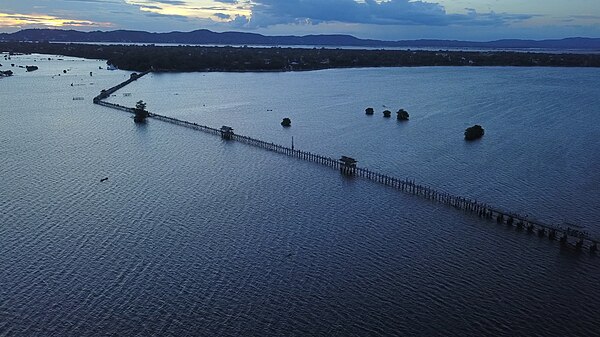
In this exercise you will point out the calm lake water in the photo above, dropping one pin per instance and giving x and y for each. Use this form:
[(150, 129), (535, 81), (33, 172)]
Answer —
[(191, 235)]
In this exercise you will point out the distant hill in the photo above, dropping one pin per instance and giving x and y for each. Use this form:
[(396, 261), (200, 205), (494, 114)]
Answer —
[(204, 36)]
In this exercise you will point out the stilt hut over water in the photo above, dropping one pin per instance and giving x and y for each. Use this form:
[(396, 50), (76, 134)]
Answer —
[(226, 132), (348, 165)]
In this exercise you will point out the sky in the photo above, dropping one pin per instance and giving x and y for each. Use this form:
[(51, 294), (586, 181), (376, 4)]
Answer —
[(476, 20)]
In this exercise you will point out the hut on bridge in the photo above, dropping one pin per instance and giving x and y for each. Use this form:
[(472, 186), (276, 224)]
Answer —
[(348, 165), (226, 132)]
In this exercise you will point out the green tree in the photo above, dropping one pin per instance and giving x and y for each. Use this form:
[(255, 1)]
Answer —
[(140, 112)]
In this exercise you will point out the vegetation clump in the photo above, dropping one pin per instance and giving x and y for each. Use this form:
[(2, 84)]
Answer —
[(286, 122), (140, 112), (387, 113), (6, 73), (402, 115), (31, 68), (369, 111), (474, 132)]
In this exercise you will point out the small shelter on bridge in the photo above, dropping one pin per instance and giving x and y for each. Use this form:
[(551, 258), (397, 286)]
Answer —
[(348, 165), (226, 132)]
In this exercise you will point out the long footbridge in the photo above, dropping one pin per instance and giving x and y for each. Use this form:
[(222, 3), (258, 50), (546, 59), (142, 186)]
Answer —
[(573, 237)]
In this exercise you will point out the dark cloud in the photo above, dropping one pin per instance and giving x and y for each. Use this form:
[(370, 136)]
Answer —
[(223, 16), (213, 8), (171, 2), (152, 7), (79, 23), (167, 16), (95, 1), (586, 17), (394, 12)]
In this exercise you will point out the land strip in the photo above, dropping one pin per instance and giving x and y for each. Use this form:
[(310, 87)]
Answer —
[(251, 59)]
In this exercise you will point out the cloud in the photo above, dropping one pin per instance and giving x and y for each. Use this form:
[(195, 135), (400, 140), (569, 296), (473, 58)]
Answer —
[(223, 16), (42, 20), (171, 2), (194, 9), (95, 1), (391, 12)]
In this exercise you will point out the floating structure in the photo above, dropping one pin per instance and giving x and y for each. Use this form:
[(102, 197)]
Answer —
[(347, 165)]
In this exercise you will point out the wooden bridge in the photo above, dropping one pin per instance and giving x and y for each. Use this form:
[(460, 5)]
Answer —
[(568, 236)]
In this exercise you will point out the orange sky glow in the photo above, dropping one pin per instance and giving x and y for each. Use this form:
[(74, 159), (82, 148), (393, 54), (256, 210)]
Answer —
[(42, 20)]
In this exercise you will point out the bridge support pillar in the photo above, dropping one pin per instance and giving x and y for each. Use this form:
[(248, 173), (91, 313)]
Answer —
[(563, 239), (541, 232)]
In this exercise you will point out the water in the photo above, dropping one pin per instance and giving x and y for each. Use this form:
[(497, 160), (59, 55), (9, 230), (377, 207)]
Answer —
[(191, 235)]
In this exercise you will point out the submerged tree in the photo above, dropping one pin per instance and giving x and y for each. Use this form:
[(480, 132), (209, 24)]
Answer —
[(140, 112), (286, 122), (474, 132), (387, 113), (402, 115), (369, 111)]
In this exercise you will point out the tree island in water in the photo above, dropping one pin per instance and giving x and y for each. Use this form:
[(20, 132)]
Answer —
[(202, 58)]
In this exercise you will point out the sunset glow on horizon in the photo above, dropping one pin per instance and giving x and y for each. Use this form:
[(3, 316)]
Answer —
[(199, 9), (42, 20)]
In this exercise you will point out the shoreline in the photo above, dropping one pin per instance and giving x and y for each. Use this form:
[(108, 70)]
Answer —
[(274, 59)]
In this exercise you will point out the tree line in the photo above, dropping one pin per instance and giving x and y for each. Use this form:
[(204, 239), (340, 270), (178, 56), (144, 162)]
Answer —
[(203, 58)]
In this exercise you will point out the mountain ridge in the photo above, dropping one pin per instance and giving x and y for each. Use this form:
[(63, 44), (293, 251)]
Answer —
[(204, 36)]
